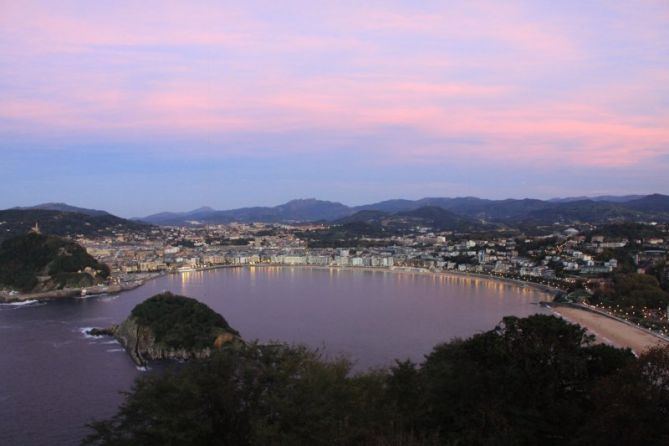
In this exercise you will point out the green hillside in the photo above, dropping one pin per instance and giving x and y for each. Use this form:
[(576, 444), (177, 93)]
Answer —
[(15, 222), (36, 262), (180, 322)]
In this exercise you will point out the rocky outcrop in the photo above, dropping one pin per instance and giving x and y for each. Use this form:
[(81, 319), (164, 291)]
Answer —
[(140, 343)]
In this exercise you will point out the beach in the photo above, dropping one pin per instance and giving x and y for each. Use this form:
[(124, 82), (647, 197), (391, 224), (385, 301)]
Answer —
[(609, 330)]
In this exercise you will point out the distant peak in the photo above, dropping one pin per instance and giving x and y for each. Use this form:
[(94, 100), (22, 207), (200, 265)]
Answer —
[(303, 200), (203, 209)]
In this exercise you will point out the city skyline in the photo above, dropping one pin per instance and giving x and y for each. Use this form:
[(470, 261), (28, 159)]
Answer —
[(167, 106)]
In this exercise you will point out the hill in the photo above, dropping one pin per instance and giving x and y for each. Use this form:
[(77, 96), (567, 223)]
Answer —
[(295, 210), (655, 203), (168, 326), (439, 219), (364, 217), (609, 198), (36, 262), (14, 222), (434, 217), (63, 207)]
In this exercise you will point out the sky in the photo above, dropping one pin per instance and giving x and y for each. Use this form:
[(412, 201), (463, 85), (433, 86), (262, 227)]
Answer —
[(140, 107)]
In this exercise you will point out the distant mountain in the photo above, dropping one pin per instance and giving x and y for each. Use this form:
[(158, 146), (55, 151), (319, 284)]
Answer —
[(580, 212), (439, 219), (170, 218), (63, 207), (515, 211), (655, 203), (364, 217), (468, 206), (428, 216), (15, 222), (390, 206), (295, 210), (609, 198), (509, 211)]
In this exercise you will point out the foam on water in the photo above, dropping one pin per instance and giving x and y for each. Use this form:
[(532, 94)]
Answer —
[(20, 304), (84, 331)]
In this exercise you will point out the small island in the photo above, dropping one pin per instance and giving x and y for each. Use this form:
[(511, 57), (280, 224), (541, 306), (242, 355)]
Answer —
[(169, 326)]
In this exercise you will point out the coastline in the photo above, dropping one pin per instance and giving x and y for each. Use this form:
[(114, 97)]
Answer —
[(609, 329), (605, 328), (414, 270), (127, 286), (67, 293)]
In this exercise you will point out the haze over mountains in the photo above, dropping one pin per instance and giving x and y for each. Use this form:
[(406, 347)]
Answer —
[(596, 209)]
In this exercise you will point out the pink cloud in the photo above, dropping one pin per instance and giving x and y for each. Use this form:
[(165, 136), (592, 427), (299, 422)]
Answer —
[(472, 71)]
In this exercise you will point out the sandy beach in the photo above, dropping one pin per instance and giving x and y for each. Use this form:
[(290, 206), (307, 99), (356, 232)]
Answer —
[(609, 330)]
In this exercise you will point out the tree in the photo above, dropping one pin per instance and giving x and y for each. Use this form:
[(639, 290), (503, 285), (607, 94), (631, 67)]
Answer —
[(524, 382), (535, 380), (632, 407)]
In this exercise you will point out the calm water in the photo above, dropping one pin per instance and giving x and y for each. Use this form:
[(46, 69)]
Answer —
[(54, 378)]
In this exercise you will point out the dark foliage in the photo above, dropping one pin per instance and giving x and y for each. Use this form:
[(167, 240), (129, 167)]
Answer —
[(180, 322), (528, 379), (440, 219), (537, 380), (629, 231), (633, 290), (19, 221), (24, 258), (632, 407)]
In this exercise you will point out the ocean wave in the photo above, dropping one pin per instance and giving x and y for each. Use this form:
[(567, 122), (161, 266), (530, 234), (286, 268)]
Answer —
[(84, 331), (114, 341), (115, 350), (23, 303)]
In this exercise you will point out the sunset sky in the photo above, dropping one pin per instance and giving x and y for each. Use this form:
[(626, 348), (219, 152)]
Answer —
[(141, 106)]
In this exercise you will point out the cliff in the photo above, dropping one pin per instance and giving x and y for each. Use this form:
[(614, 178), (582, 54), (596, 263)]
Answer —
[(167, 326)]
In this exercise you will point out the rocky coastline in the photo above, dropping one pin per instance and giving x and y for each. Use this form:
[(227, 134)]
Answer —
[(143, 344), (12, 297)]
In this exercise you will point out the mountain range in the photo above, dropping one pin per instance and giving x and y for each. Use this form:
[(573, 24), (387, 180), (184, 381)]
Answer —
[(458, 214), (602, 209)]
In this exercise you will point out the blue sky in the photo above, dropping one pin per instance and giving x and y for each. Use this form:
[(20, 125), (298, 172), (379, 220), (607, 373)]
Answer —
[(143, 107)]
